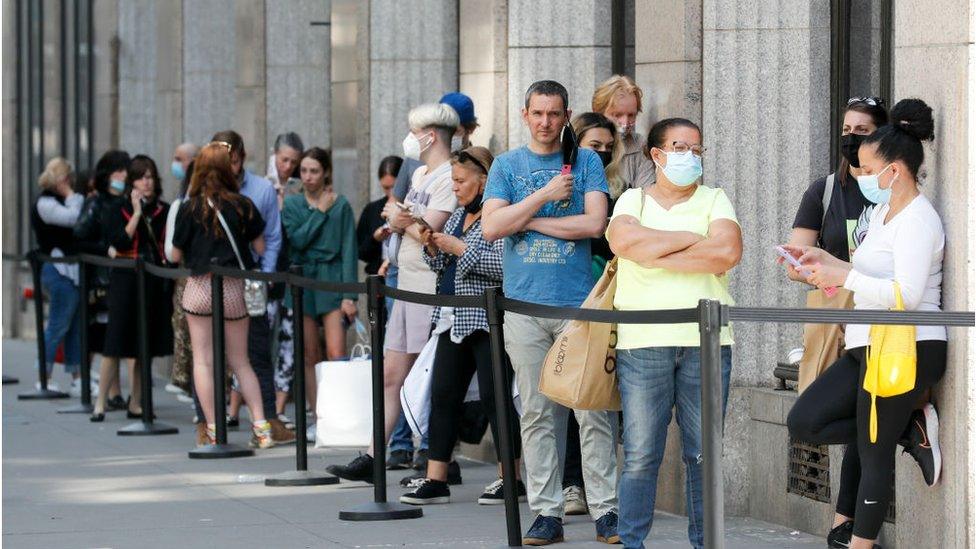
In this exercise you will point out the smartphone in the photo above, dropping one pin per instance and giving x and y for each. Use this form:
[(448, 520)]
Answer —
[(402, 206), (830, 291), (422, 222)]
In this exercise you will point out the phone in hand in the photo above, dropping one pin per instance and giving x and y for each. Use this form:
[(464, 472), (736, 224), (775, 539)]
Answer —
[(830, 290), (419, 220)]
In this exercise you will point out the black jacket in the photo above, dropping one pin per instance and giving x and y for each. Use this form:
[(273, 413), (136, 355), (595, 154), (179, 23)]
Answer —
[(90, 234)]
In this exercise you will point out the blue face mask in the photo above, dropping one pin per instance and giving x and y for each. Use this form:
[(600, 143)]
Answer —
[(117, 186), (871, 190), (683, 169), (176, 168)]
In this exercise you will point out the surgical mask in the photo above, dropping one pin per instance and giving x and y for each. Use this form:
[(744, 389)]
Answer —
[(117, 186), (412, 147), (849, 144), (457, 143), (682, 169), (870, 187), (474, 206), (176, 168), (605, 156)]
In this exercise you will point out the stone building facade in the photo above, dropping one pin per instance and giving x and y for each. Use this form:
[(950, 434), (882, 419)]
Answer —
[(757, 75)]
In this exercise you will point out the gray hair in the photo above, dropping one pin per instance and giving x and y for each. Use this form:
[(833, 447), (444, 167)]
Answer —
[(436, 115), (290, 140), (547, 87)]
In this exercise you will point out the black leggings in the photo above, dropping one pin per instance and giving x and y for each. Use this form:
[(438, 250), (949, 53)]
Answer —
[(454, 365), (834, 409)]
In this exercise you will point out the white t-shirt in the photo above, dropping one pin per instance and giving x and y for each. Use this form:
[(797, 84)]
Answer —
[(427, 192), (908, 249)]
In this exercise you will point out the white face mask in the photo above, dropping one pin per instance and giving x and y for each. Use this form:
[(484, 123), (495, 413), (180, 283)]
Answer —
[(457, 143), (412, 147)]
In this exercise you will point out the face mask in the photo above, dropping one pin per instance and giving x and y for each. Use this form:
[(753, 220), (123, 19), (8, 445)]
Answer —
[(870, 187), (176, 168), (117, 186), (412, 147), (474, 206), (682, 169), (457, 143), (849, 144), (605, 156)]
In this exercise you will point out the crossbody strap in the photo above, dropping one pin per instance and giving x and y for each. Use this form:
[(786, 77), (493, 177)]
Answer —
[(230, 236), (827, 194)]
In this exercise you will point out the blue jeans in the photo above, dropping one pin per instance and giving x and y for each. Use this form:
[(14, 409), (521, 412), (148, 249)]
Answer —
[(391, 281), (652, 382), (62, 319), (402, 437)]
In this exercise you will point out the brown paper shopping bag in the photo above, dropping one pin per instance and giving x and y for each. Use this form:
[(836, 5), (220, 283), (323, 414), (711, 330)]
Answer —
[(580, 370), (822, 343)]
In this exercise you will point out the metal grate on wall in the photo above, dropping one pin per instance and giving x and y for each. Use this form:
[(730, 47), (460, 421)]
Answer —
[(809, 471)]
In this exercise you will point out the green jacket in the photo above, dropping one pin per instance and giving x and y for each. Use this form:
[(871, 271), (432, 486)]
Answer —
[(324, 244)]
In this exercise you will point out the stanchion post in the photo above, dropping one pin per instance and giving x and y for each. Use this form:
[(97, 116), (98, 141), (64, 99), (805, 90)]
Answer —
[(85, 407), (221, 449), (380, 509), (43, 393), (301, 476), (503, 396), (710, 328), (146, 426)]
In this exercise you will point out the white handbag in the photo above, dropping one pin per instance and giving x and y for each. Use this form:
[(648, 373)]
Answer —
[(255, 291), (343, 408)]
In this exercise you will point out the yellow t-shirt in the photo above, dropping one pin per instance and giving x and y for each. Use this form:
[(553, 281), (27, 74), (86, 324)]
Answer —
[(640, 288)]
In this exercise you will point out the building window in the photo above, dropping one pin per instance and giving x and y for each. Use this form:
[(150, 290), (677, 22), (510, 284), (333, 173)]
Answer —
[(860, 64)]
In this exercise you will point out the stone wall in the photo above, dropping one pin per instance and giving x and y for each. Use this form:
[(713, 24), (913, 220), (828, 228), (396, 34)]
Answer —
[(483, 68)]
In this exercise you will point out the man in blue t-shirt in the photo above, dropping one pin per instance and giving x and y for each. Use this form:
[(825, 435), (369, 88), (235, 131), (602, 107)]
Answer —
[(547, 220)]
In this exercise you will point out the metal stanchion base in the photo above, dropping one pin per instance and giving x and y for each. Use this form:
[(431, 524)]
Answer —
[(146, 429), (79, 409), (381, 511), (301, 478), (220, 451), (10, 380), (42, 394)]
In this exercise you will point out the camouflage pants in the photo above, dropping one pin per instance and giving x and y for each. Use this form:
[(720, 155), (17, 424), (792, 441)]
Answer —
[(182, 373)]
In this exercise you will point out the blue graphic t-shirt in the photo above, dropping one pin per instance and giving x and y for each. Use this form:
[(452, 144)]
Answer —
[(541, 268)]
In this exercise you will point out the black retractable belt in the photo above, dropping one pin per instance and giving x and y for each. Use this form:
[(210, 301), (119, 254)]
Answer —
[(85, 407), (43, 393), (301, 476), (147, 426), (379, 509), (221, 449)]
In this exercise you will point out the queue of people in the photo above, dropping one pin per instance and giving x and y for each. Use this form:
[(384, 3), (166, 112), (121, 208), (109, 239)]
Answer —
[(454, 220)]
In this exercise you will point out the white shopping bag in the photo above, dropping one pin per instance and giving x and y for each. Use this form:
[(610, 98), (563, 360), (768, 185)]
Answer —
[(343, 409)]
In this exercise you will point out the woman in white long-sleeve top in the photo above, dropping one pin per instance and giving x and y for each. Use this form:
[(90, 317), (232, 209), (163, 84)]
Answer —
[(903, 250), (53, 219)]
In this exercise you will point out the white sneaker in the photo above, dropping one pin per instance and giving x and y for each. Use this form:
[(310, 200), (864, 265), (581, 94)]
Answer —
[(75, 388), (183, 397), (51, 386), (289, 424), (310, 433), (574, 501), (170, 388)]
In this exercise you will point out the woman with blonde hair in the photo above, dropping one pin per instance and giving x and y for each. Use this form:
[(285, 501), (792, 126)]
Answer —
[(620, 99), (213, 203), (53, 218)]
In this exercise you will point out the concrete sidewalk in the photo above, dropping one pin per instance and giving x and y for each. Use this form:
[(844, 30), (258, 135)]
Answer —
[(69, 483)]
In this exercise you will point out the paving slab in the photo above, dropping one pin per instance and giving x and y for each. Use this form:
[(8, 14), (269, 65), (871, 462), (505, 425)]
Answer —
[(69, 483)]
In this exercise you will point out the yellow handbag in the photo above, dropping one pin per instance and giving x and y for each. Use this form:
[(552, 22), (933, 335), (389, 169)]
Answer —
[(891, 362)]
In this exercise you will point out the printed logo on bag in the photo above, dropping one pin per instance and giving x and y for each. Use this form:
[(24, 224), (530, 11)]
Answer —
[(560, 356), (610, 366)]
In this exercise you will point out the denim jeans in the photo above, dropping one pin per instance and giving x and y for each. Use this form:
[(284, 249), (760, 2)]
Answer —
[(402, 437), (62, 319), (652, 382)]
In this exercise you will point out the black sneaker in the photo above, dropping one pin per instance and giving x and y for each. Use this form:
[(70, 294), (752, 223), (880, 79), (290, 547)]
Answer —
[(453, 477), (233, 423), (922, 443), (494, 493), (360, 469), (420, 460), (399, 460), (116, 403), (840, 536), (428, 491)]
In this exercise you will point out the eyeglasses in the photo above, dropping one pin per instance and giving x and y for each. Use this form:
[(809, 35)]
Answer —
[(872, 101), (223, 144), (465, 156), (682, 147)]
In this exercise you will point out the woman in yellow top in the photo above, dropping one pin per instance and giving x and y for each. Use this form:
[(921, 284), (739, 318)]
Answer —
[(675, 242)]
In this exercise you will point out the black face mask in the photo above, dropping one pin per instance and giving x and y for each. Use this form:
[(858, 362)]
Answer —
[(849, 144), (474, 206), (605, 157)]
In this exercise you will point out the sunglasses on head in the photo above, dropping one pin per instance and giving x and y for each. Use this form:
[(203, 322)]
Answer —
[(223, 144), (464, 156), (872, 101)]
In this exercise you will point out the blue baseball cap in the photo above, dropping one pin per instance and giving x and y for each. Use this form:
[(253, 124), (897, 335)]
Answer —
[(462, 104)]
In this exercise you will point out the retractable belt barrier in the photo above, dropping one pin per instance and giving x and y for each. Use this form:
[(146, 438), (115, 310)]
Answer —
[(710, 316)]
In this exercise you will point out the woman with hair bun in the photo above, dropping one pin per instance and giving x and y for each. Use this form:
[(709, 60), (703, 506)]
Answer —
[(903, 250)]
